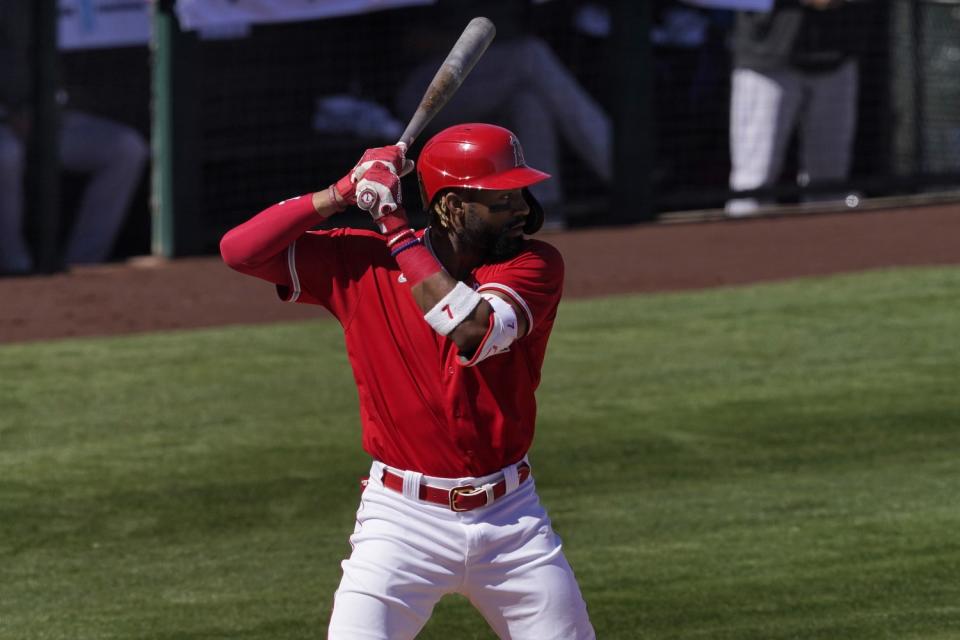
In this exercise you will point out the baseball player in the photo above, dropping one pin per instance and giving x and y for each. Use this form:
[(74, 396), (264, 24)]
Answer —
[(446, 330), (795, 68)]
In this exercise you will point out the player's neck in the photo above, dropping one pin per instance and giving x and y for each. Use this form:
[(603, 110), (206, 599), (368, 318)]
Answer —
[(456, 256)]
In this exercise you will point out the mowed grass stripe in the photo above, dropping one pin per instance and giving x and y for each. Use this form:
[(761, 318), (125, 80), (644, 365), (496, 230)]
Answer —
[(776, 461)]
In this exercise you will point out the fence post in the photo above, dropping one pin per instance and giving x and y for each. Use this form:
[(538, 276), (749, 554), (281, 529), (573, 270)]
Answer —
[(634, 140), (161, 134), (43, 190), (174, 136)]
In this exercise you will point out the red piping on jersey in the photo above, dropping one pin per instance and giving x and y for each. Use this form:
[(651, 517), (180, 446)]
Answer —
[(513, 295)]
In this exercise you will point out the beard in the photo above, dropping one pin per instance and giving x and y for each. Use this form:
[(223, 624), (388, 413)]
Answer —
[(493, 242)]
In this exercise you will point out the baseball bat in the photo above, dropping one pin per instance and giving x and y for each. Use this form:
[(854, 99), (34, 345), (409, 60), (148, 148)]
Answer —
[(474, 40), (468, 48)]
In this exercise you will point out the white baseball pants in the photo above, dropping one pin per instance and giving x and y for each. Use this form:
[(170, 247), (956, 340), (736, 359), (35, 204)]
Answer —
[(765, 108), (505, 558)]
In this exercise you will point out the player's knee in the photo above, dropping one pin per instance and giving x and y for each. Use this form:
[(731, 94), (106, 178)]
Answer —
[(129, 148)]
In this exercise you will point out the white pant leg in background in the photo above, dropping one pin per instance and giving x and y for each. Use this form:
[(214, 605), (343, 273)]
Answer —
[(828, 125), (114, 156), (14, 253), (763, 113), (408, 554)]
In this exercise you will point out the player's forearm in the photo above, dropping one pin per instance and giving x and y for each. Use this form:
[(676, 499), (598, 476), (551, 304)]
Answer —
[(467, 334), (451, 307), (271, 231)]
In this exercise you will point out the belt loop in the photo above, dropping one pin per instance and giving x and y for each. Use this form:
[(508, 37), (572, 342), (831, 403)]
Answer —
[(411, 484), (511, 477), (376, 471)]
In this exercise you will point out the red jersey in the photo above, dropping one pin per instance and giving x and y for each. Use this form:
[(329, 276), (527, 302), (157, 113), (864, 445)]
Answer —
[(420, 409)]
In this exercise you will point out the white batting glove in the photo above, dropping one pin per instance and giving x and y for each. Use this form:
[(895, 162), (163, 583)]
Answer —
[(379, 193), (391, 158)]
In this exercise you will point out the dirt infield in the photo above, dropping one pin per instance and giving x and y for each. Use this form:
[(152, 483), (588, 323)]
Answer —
[(149, 296)]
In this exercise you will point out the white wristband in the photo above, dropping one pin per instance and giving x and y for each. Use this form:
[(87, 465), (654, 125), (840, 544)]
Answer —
[(452, 309)]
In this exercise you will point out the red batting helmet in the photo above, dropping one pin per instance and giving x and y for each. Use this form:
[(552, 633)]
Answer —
[(477, 156)]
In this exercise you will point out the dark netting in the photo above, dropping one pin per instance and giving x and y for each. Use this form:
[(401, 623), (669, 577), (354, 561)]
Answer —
[(255, 103), (694, 57), (938, 111), (286, 108), (113, 83)]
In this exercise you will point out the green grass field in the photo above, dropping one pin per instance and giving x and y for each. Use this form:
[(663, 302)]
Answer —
[(769, 462)]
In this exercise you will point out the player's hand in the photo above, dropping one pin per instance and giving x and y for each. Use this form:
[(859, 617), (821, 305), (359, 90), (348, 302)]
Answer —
[(390, 158), (378, 192)]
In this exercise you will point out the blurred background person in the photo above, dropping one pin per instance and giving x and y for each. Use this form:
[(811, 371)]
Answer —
[(112, 154), (691, 90), (795, 68), (520, 84)]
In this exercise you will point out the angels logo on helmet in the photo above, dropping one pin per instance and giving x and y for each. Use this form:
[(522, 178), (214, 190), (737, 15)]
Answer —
[(475, 156), (518, 159)]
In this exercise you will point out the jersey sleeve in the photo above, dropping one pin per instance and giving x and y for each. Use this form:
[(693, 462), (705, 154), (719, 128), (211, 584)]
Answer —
[(533, 280), (327, 268)]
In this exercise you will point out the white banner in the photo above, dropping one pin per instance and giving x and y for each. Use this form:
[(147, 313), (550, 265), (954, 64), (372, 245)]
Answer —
[(201, 14), (95, 24)]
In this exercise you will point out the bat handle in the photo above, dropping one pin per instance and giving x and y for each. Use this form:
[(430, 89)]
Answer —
[(416, 125)]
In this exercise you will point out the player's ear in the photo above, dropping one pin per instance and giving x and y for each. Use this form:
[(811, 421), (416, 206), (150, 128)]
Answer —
[(453, 208)]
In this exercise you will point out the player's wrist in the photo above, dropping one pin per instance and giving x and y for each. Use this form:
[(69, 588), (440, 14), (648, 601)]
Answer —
[(401, 240), (390, 224), (414, 259), (338, 195)]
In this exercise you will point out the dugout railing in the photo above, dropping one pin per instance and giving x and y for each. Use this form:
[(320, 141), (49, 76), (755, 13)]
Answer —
[(231, 115)]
